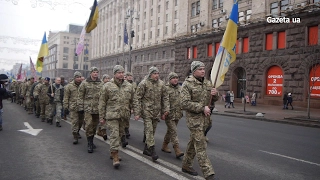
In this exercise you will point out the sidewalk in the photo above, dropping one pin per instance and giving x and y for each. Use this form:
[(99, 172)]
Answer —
[(297, 116)]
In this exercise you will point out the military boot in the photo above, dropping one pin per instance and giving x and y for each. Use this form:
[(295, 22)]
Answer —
[(50, 121), (211, 177), (116, 162), (58, 124), (79, 136), (153, 153), (146, 150), (165, 147), (75, 138), (124, 142), (126, 130), (90, 144), (104, 134), (189, 170), (111, 157), (177, 150)]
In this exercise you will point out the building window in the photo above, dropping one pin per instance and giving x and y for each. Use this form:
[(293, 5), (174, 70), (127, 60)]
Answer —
[(167, 17), (176, 2), (167, 5), (65, 57), (176, 14), (158, 20), (220, 3), (158, 32), (198, 7), (313, 35), (193, 9), (269, 38), (217, 45), (145, 25), (149, 57), (144, 36), (274, 8), (214, 4), (282, 40), (151, 12), (284, 4), (156, 55), (249, 11), (245, 45), (172, 52), (193, 28), (214, 23), (188, 53), (194, 52), (166, 31), (65, 65), (175, 28), (144, 15), (159, 7), (209, 50), (65, 50), (76, 66), (220, 21), (163, 54), (150, 35), (151, 23)]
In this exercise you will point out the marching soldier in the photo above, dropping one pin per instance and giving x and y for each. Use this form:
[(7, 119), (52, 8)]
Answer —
[(36, 101), (151, 99), (195, 99), (27, 95), (88, 100), (115, 105), (70, 105), (22, 90), (129, 78), (102, 128), (55, 92), (17, 90), (174, 116), (40, 95)]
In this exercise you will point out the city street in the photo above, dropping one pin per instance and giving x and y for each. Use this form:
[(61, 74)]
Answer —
[(238, 149)]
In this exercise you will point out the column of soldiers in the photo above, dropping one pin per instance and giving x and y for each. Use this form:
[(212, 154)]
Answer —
[(108, 104)]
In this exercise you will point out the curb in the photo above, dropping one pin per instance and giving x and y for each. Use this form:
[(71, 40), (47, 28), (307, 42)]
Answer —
[(284, 121)]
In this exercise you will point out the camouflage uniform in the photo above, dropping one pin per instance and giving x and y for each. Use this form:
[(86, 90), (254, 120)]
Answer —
[(56, 102), (173, 118), (40, 93), (195, 95), (35, 100), (22, 90), (151, 98), (70, 103), (27, 94), (127, 121), (12, 88), (17, 90), (102, 128)]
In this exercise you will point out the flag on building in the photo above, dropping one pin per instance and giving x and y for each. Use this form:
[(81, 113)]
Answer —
[(125, 34), (32, 69), (44, 51), (80, 45), (93, 18), (19, 75), (227, 50)]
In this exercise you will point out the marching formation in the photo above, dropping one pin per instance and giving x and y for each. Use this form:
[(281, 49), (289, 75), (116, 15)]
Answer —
[(100, 105)]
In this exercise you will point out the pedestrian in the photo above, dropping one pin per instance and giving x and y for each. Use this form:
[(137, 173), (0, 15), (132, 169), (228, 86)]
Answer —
[(175, 114), (102, 128), (115, 104), (40, 95), (242, 96), (27, 95), (3, 93), (195, 99), (227, 99), (285, 101), (128, 77), (55, 92), (151, 100), (253, 99), (88, 101), (63, 83), (231, 99), (289, 101), (70, 106)]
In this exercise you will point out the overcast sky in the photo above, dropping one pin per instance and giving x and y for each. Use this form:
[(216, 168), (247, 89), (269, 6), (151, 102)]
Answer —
[(30, 19)]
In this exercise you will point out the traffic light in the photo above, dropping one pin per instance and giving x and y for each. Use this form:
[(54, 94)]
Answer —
[(132, 33)]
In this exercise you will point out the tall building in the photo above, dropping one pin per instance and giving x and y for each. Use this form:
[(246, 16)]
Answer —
[(62, 60), (273, 58)]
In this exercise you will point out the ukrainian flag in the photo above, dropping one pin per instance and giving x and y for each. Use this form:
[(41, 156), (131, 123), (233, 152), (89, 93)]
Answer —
[(227, 50), (93, 19), (44, 51)]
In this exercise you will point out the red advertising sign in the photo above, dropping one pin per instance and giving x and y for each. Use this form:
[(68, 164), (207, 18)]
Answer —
[(315, 81), (274, 81)]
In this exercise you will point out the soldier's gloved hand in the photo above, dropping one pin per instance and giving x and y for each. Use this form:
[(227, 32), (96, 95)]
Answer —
[(102, 121), (81, 112)]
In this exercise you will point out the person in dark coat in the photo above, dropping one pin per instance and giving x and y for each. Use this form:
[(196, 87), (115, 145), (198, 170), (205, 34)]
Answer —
[(227, 100), (285, 101), (289, 101)]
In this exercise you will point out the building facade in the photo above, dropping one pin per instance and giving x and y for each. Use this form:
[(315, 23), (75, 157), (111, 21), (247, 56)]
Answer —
[(62, 60)]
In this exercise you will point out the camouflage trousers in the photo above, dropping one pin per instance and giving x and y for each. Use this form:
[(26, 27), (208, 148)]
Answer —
[(197, 147), (56, 110), (171, 135), (127, 122), (92, 121), (150, 125), (38, 109), (45, 110), (116, 128), (76, 120), (29, 104)]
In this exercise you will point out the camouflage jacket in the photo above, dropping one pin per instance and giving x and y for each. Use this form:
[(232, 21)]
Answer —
[(27, 89), (150, 99), (40, 92), (32, 88), (195, 95), (70, 96), (116, 100), (88, 97), (175, 102), (17, 89), (134, 85)]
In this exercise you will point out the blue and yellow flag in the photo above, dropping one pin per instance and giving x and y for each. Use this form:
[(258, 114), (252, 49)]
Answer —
[(44, 51), (227, 50), (93, 18)]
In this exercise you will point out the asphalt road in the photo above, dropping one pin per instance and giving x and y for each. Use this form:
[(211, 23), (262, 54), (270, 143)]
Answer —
[(238, 149)]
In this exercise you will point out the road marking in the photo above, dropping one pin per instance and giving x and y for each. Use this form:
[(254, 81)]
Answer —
[(290, 158), (30, 130), (155, 165)]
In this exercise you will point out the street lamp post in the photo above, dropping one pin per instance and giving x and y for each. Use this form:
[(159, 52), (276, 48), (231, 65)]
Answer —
[(131, 34)]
